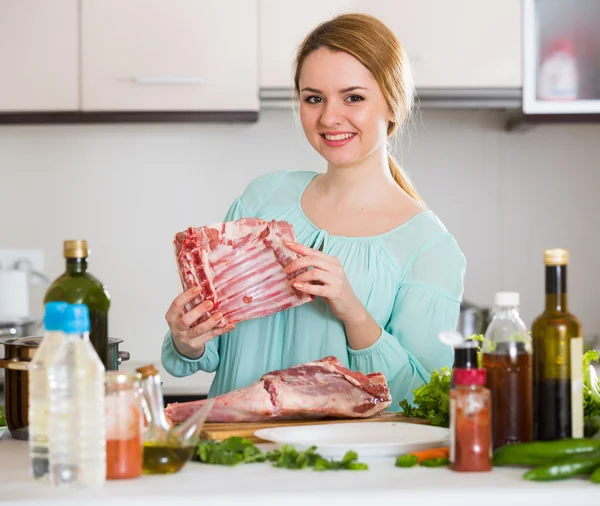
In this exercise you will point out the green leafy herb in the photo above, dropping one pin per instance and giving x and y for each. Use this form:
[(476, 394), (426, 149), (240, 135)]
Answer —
[(2, 419), (236, 450), (406, 460), (591, 386), (432, 400), (232, 451), (437, 462)]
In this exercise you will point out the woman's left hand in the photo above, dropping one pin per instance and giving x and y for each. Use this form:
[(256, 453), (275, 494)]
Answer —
[(325, 279)]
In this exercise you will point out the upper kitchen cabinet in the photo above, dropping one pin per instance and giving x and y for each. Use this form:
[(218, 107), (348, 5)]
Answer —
[(39, 55), (451, 44), (156, 55), (561, 58)]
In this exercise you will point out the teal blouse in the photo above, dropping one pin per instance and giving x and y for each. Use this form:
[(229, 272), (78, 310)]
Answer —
[(410, 279)]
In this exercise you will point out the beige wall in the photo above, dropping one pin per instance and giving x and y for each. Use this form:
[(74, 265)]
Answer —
[(128, 188)]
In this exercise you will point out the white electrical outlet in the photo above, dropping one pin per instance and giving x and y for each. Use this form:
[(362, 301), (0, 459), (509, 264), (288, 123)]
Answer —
[(33, 257)]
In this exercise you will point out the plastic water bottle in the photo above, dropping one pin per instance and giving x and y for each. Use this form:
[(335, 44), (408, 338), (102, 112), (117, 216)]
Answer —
[(77, 445), (38, 388)]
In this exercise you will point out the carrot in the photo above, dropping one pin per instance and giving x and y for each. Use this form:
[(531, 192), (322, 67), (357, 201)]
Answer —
[(432, 453)]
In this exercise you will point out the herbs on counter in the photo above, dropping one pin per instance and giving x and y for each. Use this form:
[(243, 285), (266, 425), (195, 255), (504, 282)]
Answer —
[(236, 450)]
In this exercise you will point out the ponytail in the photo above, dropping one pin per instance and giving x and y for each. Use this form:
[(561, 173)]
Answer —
[(402, 179)]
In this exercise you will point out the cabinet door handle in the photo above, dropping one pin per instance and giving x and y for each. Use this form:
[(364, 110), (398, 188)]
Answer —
[(168, 80)]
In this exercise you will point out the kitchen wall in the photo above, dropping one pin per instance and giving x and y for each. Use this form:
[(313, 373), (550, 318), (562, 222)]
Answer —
[(128, 188)]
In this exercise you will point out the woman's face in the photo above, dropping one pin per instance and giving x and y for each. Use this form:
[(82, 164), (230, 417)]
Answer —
[(343, 111)]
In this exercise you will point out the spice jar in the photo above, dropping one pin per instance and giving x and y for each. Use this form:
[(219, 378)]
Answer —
[(470, 422), (124, 425)]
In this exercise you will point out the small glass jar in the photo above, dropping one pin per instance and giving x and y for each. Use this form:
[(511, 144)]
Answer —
[(470, 422), (124, 425)]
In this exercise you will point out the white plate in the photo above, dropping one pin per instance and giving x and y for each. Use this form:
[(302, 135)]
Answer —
[(367, 439)]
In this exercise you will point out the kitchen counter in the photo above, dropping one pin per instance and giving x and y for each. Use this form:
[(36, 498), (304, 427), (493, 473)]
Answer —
[(261, 484)]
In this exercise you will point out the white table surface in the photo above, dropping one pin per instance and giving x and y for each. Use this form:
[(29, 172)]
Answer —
[(261, 484)]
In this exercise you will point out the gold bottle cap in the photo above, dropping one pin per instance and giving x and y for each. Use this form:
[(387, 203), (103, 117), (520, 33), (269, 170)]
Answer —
[(556, 256), (75, 249)]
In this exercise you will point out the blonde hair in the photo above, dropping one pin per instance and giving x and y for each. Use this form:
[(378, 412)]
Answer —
[(373, 44)]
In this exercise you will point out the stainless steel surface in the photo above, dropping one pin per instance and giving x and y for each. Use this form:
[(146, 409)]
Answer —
[(426, 98), (473, 319), (17, 328)]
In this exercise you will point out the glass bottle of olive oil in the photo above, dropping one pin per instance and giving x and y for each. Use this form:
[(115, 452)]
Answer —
[(77, 286), (557, 358)]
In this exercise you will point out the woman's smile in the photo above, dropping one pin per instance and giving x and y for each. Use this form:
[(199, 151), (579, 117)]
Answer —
[(338, 139)]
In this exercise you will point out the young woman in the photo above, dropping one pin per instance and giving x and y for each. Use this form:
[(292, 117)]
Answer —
[(386, 274)]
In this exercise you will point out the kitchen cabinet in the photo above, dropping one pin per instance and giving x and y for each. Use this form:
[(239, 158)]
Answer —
[(154, 55), (561, 58), (39, 55), (453, 44)]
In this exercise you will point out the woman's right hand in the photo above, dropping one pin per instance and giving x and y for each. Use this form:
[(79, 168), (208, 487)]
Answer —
[(189, 340)]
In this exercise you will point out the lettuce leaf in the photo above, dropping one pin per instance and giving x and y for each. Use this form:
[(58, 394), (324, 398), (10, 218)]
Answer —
[(591, 385), (2, 419), (431, 400)]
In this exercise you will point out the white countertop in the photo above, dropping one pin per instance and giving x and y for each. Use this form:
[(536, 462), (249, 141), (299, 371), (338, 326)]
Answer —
[(261, 484)]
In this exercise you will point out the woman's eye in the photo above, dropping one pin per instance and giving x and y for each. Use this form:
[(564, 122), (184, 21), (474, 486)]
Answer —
[(355, 98), (313, 99)]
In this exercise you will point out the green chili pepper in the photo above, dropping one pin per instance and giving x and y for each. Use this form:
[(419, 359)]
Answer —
[(542, 452), (565, 468)]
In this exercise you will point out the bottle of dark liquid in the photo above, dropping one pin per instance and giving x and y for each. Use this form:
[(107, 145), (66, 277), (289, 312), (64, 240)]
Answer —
[(557, 358), (506, 356), (77, 286)]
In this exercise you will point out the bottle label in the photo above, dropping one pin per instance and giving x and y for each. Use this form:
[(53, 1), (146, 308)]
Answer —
[(577, 387)]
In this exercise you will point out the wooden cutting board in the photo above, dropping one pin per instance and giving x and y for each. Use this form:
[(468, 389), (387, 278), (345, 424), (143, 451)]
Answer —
[(221, 431)]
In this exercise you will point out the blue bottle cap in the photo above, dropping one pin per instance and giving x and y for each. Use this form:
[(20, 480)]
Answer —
[(76, 319), (53, 316)]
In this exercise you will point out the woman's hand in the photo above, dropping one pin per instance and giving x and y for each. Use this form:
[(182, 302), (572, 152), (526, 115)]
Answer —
[(326, 279), (189, 340)]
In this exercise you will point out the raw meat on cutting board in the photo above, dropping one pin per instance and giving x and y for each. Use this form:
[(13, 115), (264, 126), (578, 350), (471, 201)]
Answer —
[(239, 266), (319, 389)]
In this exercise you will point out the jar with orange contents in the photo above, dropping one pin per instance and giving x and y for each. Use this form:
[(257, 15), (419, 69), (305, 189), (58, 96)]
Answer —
[(124, 425)]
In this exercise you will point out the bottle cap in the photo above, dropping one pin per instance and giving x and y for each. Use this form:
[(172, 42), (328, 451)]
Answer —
[(469, 376), (507, 299), (53, 315), (465, 355), (556, 256), (76, 319), (75, 249)]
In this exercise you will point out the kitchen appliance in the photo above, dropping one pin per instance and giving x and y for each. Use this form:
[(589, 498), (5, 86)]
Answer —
[(473, 319), (18, 352)]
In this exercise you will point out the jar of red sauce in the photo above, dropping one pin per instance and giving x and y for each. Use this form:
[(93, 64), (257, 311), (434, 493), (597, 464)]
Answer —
[(470, 421), (124, 425)]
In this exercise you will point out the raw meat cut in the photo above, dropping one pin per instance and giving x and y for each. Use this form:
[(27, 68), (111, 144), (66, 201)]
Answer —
[(239, 266), (319, 389)]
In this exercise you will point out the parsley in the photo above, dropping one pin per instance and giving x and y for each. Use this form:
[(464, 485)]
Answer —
[(237, 450)]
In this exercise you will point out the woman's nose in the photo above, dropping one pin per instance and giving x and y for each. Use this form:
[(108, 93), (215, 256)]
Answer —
[(332, 115)]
